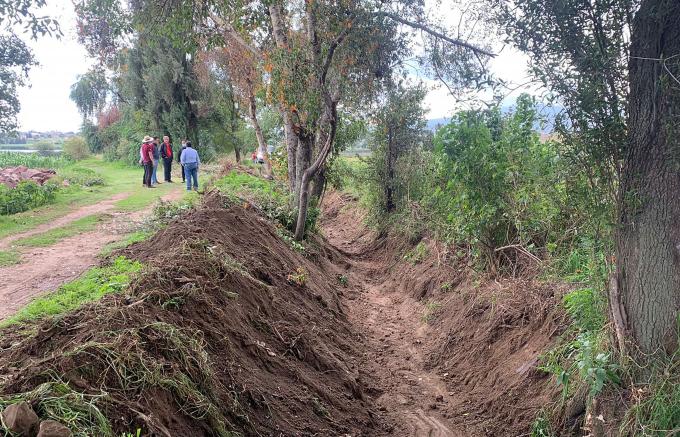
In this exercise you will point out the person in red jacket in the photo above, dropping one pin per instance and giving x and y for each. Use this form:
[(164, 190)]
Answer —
[(147, 160), (166, 154)]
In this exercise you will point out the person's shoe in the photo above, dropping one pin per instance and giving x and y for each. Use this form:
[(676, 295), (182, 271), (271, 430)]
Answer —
[(195, 188), (151, 186)]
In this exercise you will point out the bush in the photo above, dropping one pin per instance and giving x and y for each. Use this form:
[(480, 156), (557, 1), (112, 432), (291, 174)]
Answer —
[(75, 148), (44, 148), (27, 195), (83, 176)]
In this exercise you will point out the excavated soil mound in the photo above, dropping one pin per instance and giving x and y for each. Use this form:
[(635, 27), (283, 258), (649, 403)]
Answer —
[(214, 337)]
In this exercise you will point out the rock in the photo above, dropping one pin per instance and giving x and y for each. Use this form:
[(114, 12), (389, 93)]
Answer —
[(439, 398), (20, 419), (50, 428)]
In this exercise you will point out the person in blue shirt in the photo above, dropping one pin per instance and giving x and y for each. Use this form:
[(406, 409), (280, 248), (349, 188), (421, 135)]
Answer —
[(190, 161)]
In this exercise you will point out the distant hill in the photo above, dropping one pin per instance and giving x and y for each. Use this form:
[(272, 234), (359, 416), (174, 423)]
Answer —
[(545, 112)]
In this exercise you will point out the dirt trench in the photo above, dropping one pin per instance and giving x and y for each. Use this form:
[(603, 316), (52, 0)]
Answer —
[(443, 363)]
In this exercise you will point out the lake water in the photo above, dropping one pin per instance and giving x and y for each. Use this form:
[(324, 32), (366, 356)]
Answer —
[(55, 152)]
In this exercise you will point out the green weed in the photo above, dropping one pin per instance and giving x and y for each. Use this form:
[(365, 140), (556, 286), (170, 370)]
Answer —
[(298, 277), (431, 309), (55, 400), (417, 254), (130, 239), (343, 280), (9, 257), (446, 286)]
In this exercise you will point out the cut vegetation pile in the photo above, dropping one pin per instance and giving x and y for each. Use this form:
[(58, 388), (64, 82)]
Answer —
[(226, 331)]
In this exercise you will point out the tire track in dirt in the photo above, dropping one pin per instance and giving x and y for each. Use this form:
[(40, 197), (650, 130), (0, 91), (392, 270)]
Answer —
[(44, 269), (84, 211), (411, 396)]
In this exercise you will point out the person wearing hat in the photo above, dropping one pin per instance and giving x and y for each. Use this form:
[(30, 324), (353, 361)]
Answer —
[(147, 160), (190, 161)]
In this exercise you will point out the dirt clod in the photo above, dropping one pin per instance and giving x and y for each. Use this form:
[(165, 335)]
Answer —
[(20, 419), (51, 428)]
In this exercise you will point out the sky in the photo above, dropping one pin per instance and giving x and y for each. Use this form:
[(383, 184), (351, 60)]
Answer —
[(45, 105)]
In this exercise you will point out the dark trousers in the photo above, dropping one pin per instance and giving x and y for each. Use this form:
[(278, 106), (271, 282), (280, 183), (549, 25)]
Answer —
[(167, 169), (148, 170), (183, 174)]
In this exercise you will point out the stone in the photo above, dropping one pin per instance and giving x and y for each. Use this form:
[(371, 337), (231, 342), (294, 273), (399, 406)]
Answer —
[(51, 428), (20, 419)]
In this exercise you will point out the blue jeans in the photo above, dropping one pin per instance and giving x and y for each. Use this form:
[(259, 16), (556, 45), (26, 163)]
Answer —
[(154, 179), (191, 171)]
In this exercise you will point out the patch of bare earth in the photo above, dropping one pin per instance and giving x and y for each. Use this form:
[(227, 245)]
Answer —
[(457, 360), (44, 269)]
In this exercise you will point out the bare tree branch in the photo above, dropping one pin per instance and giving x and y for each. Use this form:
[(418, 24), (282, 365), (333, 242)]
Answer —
[(435, 33)]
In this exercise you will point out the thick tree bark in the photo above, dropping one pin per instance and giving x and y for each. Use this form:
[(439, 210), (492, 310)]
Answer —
[(312, 170), (647, 289)]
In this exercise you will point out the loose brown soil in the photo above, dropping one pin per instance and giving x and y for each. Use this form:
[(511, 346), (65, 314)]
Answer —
[(44, 269), (215, 336)]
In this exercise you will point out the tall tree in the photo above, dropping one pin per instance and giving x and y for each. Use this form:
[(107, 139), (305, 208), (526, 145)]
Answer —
[(614, 64), (648, 241), (399, 128)]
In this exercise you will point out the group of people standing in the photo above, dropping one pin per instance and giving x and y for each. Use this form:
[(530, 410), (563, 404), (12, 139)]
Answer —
[(151, 152)]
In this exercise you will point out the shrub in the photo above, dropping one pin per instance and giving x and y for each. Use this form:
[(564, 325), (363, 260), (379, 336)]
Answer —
[(27, 195), (83, 176), (75, 148), (44, 147)]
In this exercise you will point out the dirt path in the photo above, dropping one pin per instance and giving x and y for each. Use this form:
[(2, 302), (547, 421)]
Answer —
[(95, 208), (413, 397), (44, 269)]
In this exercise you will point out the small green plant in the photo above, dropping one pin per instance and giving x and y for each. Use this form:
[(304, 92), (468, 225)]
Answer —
[(343, 280), (288, 238), (541, 427), (446, 286), (164, 211), (417, 254), (138, 433), (431, 308), (299, 277)]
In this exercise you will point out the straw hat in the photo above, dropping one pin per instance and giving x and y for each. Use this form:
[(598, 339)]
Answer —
[(147, 139)]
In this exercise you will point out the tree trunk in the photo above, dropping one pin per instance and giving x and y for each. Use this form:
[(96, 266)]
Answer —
[(648, 238), (234, 124), (262, 144), (389, 179), (291, 148)]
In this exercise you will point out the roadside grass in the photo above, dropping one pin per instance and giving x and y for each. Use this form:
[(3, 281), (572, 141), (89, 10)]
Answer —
[(53, 236), (132, 238), (9, 258), (91, 286)]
